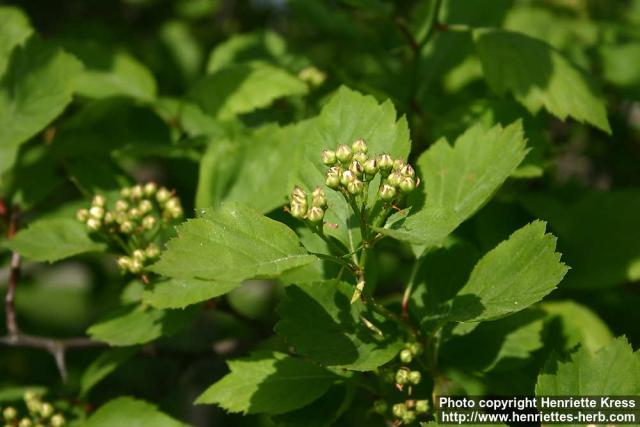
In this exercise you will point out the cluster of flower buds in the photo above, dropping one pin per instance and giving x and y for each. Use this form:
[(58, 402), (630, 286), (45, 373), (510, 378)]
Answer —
[(139, 257), (407, 412), (351, 167), (141, 208), (39, 414), (301, 209)]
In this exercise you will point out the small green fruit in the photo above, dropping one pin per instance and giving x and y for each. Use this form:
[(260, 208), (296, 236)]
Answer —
[(406, 356), (402, 376), (414, 377), (399, 409), (422, 406)]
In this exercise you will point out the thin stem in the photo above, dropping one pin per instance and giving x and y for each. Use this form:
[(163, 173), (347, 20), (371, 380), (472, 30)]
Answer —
[(409, 289)]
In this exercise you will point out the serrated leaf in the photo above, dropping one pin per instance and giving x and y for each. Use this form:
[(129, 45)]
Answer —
[(135, 324), (53, 239), (515, 274), (240, 48), (34, 90), (271, 383), (180, 293), (104, 365), (227, 245), (611, 371), (319, 322), (458, 180), (15, 28), (242, 88), (578, 325), (539, 76), (127, 411)]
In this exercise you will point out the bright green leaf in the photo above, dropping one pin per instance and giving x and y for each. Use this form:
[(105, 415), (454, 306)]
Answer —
[(179, 293), (104, 365), (14, 30), (319, 322), (127, 411), (272, 383)]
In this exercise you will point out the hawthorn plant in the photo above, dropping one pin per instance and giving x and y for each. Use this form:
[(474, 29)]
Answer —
[(345, 211)]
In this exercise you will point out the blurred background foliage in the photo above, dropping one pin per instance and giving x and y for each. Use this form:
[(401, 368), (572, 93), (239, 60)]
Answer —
[(184, 92)]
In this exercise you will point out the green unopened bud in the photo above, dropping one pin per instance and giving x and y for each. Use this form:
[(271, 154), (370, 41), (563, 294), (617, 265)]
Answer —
[(332, 181), (406, 356), (394, 179), (121, 217), (315, 214), (145, 206), (356, 168), (414, 377), (93, 224), (25, 422), (402, 376), (82, 215), (152, 251), (398, 164), (122, 205), (347, 177), (415, 348), (355, 187), (360, 146), (98, 200), (125, 192), (175, 212), (9, 413), (361, 157), (380, 407), (385, 163), (298, 195), (136, 266), (409, 417), (163, 195), (46, 410), (407, 185), (57, 420), (150, 188), (329, 157), (344, 153), (422, 406), (137, 192), (172, 203), (407, 170), (399, 409), (371, 167), (123, 262), (134, 213), (318, 198), (109, 218), (387, 192), (126, 227), (139, 255), (96, 212), (148, 222), (298, 210)]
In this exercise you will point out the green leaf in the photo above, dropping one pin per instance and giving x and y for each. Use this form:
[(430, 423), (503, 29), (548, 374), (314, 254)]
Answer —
[(515, 274), (180, 293), (242, 88), (135, 324), (127, 411), (15, 28), (271, 383), (263, 45), (611, 371), (322, 413), (53, 239), (219, 166), (35, 89), (104, 365), (319, 322), (539, 76), (459, 180)]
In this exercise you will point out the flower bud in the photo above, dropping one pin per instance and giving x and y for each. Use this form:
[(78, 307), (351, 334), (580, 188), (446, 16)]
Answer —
[(399, 409), (332, 181), (150, 188), (57, 420), (163, 195), (148, 222), (422, 406), (344, 153), (315, 214), (9, 413), (93, 224), (406, 356), (355, 187), (407, 170), (135, 267), (125, 192), (407, 185), (318, 198), (402, 376), (298, 210), (329, 157), (398, 164), (46, 410), (139, 255), (96, 212), (137, 192), (121, 205), (415, 348), (394, 179), (298, 195), (387, 192), (145, 206), (152, 251), (360, 146), (120, 217), (409, 417), (126, 227), (356, 168), (380, 407), (371, 167), (123, 262), (414, 377), (109, 218), (347, 177), (82, 215), (175, 213), (134, 213), (172, 203), (361, 157), (385, 163), (25, 422), (98, 200)]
